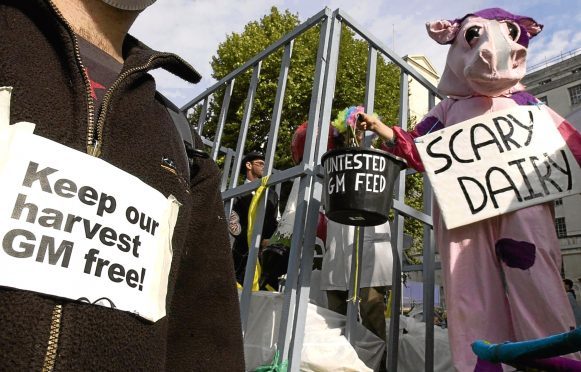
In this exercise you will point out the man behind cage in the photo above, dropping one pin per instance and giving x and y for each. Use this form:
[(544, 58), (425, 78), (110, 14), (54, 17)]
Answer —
[(252, 168), (83, 81)]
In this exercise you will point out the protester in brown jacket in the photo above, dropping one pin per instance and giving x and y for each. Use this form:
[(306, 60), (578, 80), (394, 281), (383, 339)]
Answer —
[(41, 58)]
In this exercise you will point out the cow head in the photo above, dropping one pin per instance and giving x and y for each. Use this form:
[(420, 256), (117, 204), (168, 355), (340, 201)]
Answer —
[(488, 52)]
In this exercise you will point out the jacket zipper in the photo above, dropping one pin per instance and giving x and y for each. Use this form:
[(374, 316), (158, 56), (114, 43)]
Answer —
[(55, 323), (94, 144), (53, 339)]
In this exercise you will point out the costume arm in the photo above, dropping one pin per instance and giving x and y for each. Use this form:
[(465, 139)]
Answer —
[(204, 331), (405, 146)]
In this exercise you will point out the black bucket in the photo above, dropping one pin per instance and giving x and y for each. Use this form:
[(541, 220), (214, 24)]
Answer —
[(358, 185)]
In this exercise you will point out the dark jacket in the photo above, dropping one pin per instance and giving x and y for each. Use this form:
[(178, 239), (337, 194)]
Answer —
[(202, 328)]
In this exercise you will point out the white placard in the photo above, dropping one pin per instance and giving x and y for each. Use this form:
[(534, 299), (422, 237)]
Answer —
[(74, 226), (497, 163)]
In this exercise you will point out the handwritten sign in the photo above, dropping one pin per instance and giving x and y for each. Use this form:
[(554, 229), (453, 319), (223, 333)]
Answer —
[(497, 163), (367, 170), (74, 226)]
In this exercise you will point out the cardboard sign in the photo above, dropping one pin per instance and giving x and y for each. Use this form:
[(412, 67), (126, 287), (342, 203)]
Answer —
[(497, 163), (74, 226)]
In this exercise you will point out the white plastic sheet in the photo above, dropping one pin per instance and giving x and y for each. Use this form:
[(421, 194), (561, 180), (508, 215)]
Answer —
[(324, 347), (412, 347)]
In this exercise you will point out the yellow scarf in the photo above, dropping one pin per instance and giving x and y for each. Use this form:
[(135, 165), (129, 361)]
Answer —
[(251, 216)]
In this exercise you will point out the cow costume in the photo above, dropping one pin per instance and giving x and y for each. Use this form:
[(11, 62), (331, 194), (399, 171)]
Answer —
[(501, 275)]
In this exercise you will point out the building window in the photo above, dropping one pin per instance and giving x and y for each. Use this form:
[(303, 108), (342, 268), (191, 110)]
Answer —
[(559, 202), (575, 94), (544, 100), (561, 227), (543, 82)]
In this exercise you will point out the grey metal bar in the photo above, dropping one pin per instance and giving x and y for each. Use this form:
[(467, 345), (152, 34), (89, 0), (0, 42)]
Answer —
[(387, 51), (312, 21), (428, 270), (397, 251), (269, 160), (277, 110), (287, 324), (203, 114), (354, 284), (409, 268), (310, 233), (226, 170), (277, 188), (222, 119), (228, 205), (369, 100), (305, 276), (275, 178), (393, 343), (245, 123), (431, 100), (428, 281), (297, 291), (408, 211), (329, 84), (210, 144)]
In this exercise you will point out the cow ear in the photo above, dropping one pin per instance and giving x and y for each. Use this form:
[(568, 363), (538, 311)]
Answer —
[(444, 32), (531, 26)]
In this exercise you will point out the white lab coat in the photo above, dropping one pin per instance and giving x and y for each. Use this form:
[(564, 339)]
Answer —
[(377, 261)]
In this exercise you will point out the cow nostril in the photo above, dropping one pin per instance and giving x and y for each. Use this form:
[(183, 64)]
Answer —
[(486, 55), (519, 58)]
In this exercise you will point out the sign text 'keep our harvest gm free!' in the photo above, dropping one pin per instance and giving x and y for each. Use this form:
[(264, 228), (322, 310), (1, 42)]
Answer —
[(77, 227)]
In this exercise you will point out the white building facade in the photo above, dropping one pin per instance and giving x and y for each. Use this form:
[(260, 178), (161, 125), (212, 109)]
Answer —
[(559, 86)]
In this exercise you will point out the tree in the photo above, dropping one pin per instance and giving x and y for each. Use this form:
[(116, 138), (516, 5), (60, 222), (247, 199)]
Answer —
[(350, 86)]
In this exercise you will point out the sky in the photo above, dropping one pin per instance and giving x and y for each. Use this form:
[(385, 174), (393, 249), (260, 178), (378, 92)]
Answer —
[(193, 29)]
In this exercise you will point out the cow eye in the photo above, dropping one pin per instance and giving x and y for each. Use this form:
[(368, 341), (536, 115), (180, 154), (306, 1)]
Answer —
[(472, 33), (513, 31)]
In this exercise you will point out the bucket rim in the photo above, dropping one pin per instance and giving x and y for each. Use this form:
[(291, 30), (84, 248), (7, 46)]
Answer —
[(329, 153)]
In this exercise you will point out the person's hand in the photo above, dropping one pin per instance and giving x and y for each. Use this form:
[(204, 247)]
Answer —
[(372, 123), (367, 122)]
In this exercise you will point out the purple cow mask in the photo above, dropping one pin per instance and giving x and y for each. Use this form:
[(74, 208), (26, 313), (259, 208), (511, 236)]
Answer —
[(487, 54)]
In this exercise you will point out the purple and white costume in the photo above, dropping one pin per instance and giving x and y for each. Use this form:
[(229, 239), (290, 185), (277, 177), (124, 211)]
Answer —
[(501, 275)]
